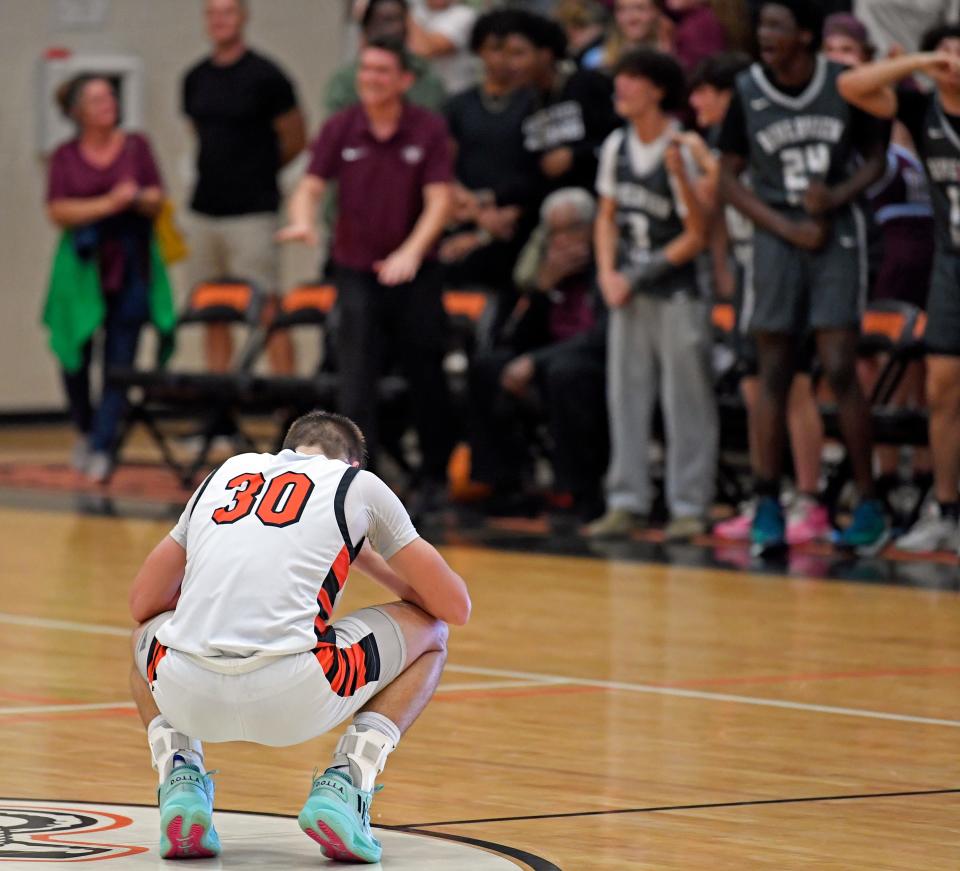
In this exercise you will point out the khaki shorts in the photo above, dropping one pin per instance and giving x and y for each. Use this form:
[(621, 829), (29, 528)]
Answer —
[(234, 247), (275, 700)]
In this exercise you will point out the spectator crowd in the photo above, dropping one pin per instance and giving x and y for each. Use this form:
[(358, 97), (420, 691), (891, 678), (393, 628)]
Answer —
[(606, 172)]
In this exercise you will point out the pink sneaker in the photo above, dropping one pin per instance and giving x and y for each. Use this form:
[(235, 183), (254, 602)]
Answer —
[(736, 528), (808, 522)]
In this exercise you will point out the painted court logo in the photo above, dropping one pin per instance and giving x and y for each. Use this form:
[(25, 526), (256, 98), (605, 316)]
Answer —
[(34, 834), (65, 832)]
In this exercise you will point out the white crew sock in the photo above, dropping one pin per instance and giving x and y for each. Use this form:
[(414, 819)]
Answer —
[(170, 748), (385, 732)]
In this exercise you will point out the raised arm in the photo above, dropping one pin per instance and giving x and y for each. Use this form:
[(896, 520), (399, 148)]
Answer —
[(871, 87), (427, 43)]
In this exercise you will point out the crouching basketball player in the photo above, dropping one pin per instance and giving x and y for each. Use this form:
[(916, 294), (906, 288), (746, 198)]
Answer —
[(236, 641)]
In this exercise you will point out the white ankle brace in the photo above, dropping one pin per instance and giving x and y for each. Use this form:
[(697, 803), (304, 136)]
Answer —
[(366, 752), (165, 742)]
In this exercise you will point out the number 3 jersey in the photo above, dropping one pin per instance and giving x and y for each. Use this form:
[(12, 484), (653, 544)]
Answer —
[(794, 139), (937, 138), (649, 212), (269, 541)]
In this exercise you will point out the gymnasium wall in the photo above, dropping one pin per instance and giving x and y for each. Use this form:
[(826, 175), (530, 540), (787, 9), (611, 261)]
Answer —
[(305, 36)]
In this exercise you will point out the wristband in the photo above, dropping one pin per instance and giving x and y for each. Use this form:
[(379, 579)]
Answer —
[(649, 272)]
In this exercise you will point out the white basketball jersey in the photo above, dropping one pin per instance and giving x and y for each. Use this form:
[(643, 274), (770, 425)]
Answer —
[(269, 541)]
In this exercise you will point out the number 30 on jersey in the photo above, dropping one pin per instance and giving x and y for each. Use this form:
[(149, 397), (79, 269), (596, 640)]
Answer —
[(282, 502)]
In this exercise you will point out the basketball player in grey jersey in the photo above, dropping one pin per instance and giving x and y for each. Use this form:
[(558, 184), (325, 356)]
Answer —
[(934, 122), (650, 227), (799, 140)]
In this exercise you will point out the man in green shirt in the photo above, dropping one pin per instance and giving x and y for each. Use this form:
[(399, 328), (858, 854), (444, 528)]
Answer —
[(385, 19)]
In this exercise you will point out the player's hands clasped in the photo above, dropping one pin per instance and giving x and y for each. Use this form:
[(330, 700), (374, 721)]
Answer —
[(818, 199), (809, 234)]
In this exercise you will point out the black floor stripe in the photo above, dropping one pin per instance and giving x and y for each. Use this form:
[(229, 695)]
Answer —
[(681, 807)]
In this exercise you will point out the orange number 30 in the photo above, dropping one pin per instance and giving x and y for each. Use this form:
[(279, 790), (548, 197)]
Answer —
[(282, 503)]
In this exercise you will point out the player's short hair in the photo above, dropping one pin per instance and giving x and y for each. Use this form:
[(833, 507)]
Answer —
[(371, 8), (337, 436), (498, 22), (720, 71), (540, 31), (394, 47), (933, 37), (659, 68), (808, 14)]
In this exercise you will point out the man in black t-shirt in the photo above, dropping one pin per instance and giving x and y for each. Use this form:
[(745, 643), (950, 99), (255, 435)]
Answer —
[(491, 196), (934, 122), (798, 139), (573, 110), (244, 111)]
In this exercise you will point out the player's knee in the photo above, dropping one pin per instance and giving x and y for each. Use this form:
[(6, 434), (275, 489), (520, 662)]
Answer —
[(441, 635), (943, 388), (775, 382), (841, 374)]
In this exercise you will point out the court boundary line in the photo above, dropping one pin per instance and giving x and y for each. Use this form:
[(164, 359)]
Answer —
[(705, 695), (675, 692), (685, 807), (126, 705)]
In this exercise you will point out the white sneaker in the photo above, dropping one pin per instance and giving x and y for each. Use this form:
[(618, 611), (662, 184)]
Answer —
[(931, 533), (80, 455), (100, 467)]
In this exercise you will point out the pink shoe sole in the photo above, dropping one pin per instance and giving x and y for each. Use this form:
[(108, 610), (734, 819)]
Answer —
[(735, 529), (330, 843), (189, 846), (809, 529)]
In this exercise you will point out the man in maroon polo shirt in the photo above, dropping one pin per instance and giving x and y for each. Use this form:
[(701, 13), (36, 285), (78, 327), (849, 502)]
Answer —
[(393, 167)]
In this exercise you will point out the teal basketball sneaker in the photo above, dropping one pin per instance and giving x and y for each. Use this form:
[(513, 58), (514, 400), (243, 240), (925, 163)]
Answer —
[(337, 817), (186, 815), (868, 531), (768, 532)]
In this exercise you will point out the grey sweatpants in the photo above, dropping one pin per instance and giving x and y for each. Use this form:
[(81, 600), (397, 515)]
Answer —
[(661, 346)]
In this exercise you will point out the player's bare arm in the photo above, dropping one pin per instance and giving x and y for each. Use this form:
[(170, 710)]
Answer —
[(821, 199), (807, 234), (693, 239), (156, 587), (613, 284), (872, 87)]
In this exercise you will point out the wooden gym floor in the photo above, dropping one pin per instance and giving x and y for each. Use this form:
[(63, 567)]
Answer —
[(595, 714)]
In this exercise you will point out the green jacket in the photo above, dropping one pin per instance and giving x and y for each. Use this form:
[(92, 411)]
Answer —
[(75, 307), (426, 91)]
